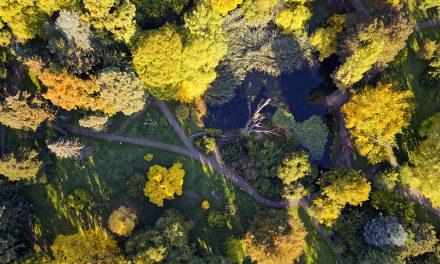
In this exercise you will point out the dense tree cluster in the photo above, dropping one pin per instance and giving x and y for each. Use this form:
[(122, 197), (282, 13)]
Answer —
[(275, 237)]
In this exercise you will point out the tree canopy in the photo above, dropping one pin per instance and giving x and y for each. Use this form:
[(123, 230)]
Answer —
[(374, 124)]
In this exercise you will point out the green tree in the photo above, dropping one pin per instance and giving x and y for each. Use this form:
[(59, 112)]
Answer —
[(374, 124), (339, 186), (166, 242), (393, 204), (421, 239), (122, 221), (157, 8), (122, 90), (259, 12), (217, 219), (385, 232), (88, 247), (370, 41), (19, 112), (14, 214), (235, 249), (275, 237), (423, 169), (311, 134), (23, 167), (429, 50)]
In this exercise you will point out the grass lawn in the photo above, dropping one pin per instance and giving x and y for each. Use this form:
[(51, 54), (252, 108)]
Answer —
[(104, 177), (317, 250), (408, 75)]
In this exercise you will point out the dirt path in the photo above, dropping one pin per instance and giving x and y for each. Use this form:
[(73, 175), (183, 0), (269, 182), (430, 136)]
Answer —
[(343, 147), (427, 24), (193, 153), (135, 115)]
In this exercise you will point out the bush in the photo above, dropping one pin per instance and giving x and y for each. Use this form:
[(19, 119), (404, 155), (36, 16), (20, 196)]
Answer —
[(231, 152), (217, 219), (428, 50), (205, 205), (122, 221), (135, 186), (206, 144), (80, 200), (182, 112), (98, 123), (386, 180), (235, 249), (385, 232)]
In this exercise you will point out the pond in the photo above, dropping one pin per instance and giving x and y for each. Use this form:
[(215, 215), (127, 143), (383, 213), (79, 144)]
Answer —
[(291, 90)]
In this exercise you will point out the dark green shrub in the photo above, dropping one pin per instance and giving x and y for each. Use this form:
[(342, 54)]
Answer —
[(231, 152), (393, 204), (217, 219)]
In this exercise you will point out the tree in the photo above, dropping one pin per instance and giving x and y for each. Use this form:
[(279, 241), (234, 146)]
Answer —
[(166, 242), (95, 122), (75, 31), (158, 8), (5, 35), (23, 167), (235, 249), (385, 232), (427, 4), (339, 186), (386, 180), (205, 46), (324, 40), (113, 15), (70, 92), (14, 214), (65, 148), (217, 219), (224, 6), (89, 247), (275, 237), (19, 112), (381, 256), (370, 41), (421, 239), (429, 49), (423, 168), (122, 221), (293, 19), (311, 134), (157, 59), (121, 90), (205, 205), (259, 12), (393, 204), (164, 183), (295, 166), (374, 124)]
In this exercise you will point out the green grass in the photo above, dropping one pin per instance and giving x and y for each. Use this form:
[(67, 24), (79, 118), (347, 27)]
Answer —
[(408, 75), (317, 251), (411, 8), (105, 175), (162, 133)]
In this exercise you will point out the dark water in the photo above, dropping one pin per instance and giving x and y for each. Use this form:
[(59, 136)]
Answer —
[(295, 91)]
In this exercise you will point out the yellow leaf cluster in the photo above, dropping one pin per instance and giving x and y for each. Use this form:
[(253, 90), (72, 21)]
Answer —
[(323, 40), (375, 116), (205, 205), (224, 6), (164, 183), (292, 19), (70, 92)]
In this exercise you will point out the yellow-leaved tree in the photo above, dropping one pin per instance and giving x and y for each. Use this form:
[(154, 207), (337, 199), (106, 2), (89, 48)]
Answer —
[(339, 186), (293, 18), (374, 117), (163, 183), (70, 92), (324, 40), (224, 6)]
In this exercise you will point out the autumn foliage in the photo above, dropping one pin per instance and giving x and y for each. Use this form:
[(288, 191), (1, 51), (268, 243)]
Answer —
[(163, 183)]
